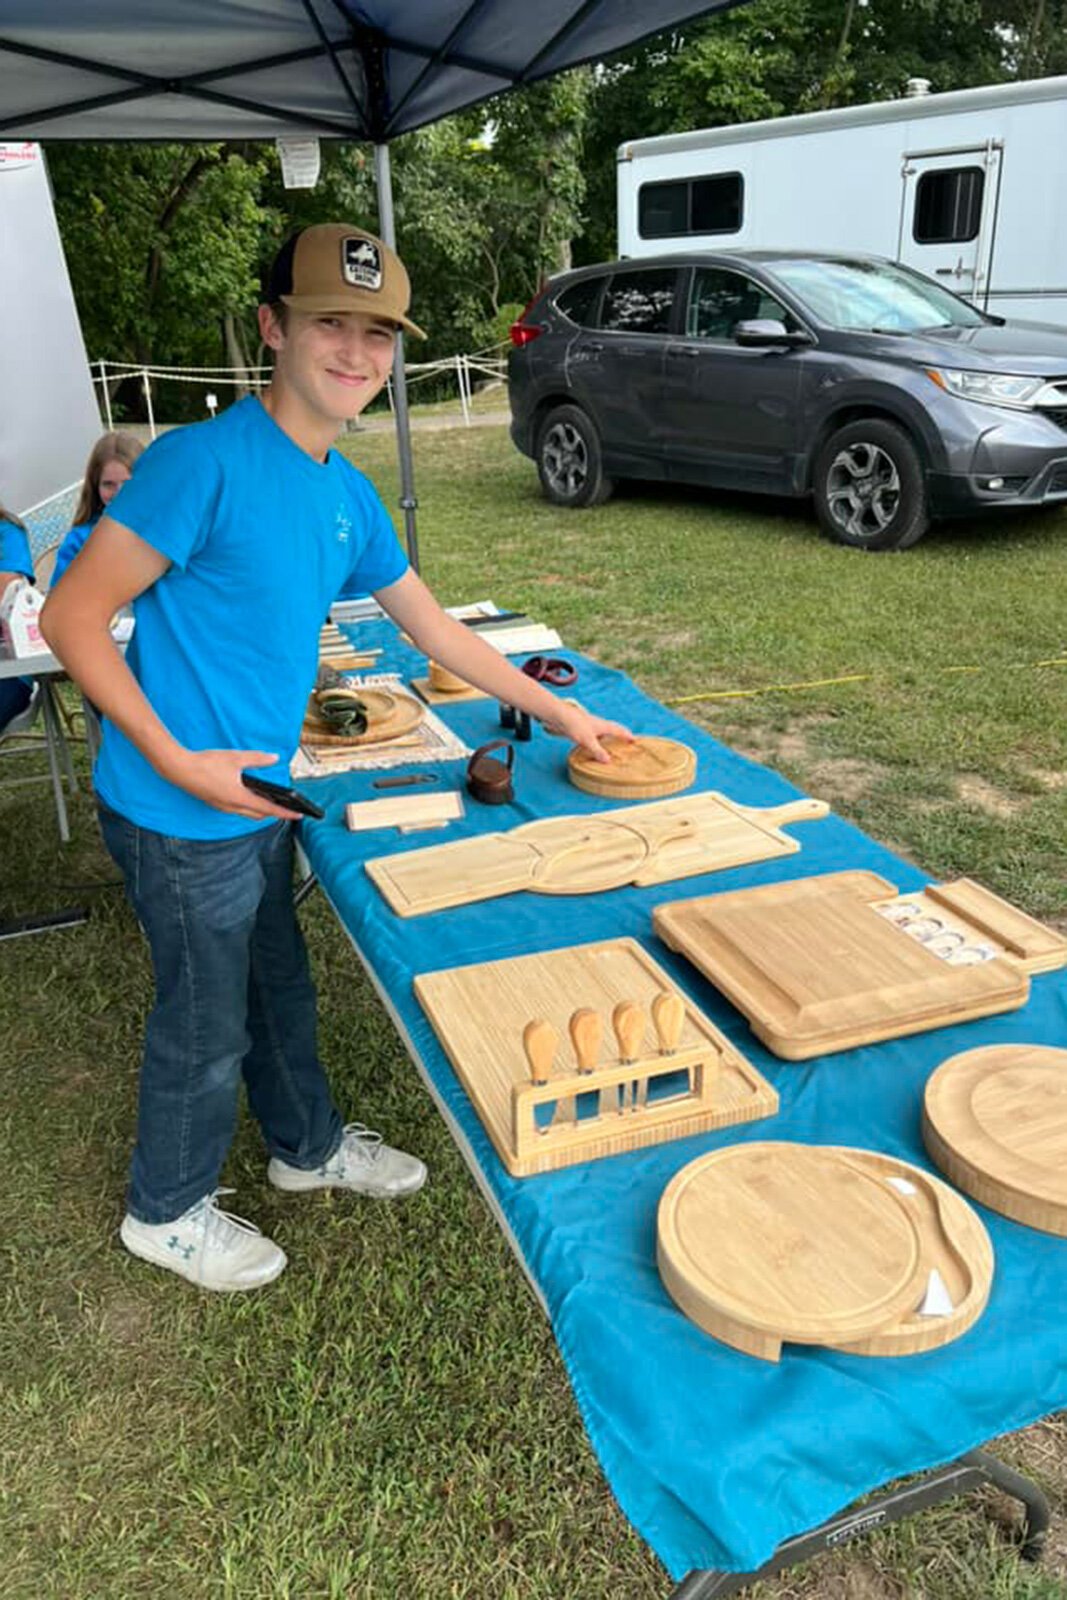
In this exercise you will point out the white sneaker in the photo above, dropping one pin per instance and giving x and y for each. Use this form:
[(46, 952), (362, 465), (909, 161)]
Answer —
[(361, 1163), (212, 1248)]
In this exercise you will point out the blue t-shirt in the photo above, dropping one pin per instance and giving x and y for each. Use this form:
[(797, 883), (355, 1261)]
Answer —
[(72, 543), (14, 550), (262, 539)]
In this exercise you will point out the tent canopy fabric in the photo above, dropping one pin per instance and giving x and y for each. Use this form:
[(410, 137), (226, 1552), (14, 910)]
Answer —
[(189, 70)]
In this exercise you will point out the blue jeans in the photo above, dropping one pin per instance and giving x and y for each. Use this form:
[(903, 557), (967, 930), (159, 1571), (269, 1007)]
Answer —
[(14, 697), (233, 998)]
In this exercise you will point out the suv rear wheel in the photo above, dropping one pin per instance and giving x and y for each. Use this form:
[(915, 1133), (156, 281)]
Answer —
[(869, 487), (569, 460)]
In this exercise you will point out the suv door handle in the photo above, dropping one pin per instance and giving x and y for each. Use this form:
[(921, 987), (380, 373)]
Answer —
[(593, 344), (690, 352)]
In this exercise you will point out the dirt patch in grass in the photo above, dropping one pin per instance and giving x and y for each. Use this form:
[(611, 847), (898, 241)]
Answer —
[(1048, 780), (125, 1321), (839, 779), (974, 790)]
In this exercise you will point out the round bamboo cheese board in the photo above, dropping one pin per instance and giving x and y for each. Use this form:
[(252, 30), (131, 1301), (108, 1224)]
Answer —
[(388, 717), (995, 1122), (644, 768), (765, 1243)]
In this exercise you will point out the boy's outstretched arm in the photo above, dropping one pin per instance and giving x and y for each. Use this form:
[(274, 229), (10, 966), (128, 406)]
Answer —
[(412, 606), (111, 570)]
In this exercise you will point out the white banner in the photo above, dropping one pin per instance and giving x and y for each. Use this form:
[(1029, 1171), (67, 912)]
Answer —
[(48, 413)]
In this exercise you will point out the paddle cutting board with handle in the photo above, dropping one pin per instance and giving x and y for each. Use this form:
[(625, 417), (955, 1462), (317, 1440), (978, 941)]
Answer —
[(642, 845)]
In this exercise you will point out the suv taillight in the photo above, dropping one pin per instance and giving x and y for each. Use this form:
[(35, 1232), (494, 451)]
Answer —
[(523, 332)]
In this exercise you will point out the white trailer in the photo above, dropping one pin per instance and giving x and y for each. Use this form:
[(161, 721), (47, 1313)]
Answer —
[(968, 187)]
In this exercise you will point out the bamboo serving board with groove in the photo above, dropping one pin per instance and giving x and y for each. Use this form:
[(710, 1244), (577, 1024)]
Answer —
[(995, 1122), (766, 1243), (574, 1054), (642, 768), (641, 845), (818, 964)]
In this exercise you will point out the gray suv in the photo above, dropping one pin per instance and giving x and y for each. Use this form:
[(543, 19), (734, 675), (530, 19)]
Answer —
[(848, 378)]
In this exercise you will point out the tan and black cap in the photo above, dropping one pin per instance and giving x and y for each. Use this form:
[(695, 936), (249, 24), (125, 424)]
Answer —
[(332, 267)]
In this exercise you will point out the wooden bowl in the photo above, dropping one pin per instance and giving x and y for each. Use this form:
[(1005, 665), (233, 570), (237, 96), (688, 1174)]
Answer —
[(443, 681)]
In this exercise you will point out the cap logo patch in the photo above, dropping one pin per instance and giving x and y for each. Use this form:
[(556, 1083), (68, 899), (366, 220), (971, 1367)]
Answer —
[(361, 263)]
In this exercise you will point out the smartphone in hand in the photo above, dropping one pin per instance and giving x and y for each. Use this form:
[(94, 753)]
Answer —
[(280, 795)]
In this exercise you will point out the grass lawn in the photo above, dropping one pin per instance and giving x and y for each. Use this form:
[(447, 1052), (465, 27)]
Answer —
[(392, 1417)]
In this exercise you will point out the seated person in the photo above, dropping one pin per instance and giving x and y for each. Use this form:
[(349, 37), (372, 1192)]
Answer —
[(15, 693), (107, 469)]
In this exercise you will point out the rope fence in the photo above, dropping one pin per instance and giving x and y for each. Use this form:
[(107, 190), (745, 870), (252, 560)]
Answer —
[(463, 370)]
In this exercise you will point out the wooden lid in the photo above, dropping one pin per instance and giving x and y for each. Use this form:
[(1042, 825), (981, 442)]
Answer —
[(764, 1242), (641, 768), (995, 1121)]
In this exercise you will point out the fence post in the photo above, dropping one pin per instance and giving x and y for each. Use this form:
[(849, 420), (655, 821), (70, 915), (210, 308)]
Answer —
[(148, 399), (462, 390), (106, 395)]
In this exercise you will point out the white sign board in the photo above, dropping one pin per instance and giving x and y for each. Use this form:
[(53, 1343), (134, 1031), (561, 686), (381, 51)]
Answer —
[(49, 417)]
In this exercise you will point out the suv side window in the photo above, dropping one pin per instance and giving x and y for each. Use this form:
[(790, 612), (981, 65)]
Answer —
[(721, 298), (640, 301), (578, 301)]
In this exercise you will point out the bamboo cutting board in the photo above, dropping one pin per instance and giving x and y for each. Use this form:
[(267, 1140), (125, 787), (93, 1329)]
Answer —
[(822, 963), (765, 1243), (995, 1121), (597, 1096), (641, 768), (642, 845)]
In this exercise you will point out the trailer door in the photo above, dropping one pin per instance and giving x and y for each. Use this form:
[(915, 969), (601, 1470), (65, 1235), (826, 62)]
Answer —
[(948, 215)]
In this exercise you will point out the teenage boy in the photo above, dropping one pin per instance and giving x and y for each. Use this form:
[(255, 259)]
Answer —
[(231, 541)]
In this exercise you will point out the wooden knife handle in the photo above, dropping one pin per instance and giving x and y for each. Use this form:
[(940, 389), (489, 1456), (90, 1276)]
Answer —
[(539, 1040), (587, 1031), (628, 1020), (668, 1015)]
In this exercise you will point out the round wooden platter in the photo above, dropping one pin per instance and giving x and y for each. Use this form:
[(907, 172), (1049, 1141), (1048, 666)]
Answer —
[(768, 1242), (956, 1247), (388, 717), (581, 855), (645, 768), (995, 1122)]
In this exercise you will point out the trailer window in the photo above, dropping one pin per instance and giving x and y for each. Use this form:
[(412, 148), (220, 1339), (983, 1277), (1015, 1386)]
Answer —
[(948, 205), (672, 210), (640, 302)]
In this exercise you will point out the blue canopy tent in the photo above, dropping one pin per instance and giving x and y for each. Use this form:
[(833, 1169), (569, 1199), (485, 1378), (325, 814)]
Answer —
[(258, 69)]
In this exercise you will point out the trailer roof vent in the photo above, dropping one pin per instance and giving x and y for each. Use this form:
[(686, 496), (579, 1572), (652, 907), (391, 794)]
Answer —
[(916, 88)]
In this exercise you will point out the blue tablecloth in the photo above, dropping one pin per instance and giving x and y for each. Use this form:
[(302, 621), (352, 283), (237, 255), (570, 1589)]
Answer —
[(714, 1456)]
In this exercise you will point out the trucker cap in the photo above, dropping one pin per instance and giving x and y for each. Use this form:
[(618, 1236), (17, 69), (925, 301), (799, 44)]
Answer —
[(332, 267)]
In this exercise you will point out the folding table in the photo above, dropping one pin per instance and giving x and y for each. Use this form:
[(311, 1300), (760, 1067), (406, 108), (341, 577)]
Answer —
[(724, 1463)]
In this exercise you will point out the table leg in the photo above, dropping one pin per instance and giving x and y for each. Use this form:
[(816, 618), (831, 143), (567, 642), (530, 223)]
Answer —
[(53, 742)]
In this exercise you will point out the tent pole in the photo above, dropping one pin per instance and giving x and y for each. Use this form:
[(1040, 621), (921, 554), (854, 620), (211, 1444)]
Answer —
[(408, 502)]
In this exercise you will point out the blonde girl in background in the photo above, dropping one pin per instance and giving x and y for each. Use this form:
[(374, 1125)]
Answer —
[(109, 466)]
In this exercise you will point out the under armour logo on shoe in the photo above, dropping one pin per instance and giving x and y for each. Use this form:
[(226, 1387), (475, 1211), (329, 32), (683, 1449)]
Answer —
[(184, 1250)]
